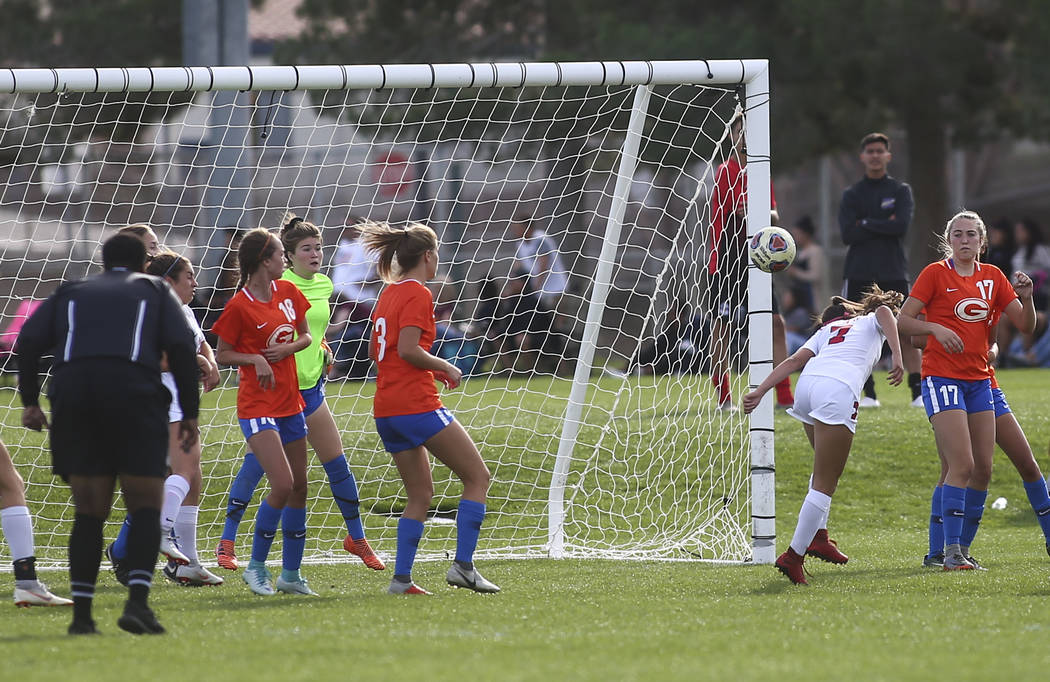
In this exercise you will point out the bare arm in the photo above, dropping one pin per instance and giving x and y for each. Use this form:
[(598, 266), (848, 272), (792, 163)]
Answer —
[(226, 355), (888, 322), (210, 367), (1022, 311), (411, 352), (782, 371), (909, 325)]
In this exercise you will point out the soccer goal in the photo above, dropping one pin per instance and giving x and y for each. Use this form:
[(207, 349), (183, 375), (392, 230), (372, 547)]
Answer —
[(573, 206)]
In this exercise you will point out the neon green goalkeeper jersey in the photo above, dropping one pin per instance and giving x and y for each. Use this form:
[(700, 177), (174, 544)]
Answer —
[(309, 362)]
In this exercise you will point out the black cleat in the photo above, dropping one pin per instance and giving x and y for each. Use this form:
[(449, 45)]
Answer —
[(138, 619), (83, 627)]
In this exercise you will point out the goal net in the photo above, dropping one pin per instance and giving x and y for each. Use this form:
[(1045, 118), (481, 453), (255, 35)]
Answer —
[(573, 207)]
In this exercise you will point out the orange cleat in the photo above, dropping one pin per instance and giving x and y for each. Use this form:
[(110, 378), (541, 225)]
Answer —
[(226, 555), (791, 564), (361, 548), (826, 549)]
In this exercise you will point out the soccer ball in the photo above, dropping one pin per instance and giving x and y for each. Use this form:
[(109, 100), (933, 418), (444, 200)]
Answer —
[(771, 249)]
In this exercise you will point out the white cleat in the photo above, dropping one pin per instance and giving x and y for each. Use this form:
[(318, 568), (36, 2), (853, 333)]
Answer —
[(917, 402), (728, 406), (37, 594), (869, 402), (471, 580), (258, 581), (169, 549), (299, 586), (193, 575)]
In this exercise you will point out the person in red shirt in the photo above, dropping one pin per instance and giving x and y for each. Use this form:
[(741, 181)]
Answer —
[(962, 298), (727, 268), (408, 412), (260, 330)]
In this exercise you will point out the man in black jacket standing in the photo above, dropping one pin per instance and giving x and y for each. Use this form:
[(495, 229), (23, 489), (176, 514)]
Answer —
[(873, 219), (110, 411)]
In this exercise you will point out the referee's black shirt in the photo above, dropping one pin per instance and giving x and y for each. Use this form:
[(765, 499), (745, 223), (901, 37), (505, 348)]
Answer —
[(118, 314)]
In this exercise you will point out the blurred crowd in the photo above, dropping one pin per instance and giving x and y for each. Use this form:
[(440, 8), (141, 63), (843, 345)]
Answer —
[(512, 326)]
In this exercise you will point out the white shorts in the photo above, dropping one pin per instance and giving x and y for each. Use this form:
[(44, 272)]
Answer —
[(174, 410), (826, 400)]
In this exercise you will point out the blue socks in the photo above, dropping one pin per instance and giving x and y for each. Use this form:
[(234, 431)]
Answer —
[(973, 511), (244, 484), (266, 521), (953, 506), (936, 525), (344, 490), (1040, 500), (293, 531), (409, 532), (120, 545), (468, 528)]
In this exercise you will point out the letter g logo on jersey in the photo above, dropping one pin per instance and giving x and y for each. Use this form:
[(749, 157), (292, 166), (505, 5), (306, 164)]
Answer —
[(285, 333), (972, 309)]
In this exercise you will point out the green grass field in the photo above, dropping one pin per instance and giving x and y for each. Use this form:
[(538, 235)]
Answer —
[(881, 617)]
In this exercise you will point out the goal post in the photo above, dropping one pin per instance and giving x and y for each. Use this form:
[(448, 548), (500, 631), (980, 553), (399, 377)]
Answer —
[(590, 402)]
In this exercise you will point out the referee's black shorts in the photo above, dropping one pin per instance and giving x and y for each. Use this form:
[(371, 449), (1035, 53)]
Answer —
[(108, 417)]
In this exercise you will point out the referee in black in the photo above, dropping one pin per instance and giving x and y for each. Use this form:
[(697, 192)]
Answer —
[(110, 411)]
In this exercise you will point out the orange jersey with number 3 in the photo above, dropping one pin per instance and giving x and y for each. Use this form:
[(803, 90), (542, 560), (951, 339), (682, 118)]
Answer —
[(966, 305), (403, 388)]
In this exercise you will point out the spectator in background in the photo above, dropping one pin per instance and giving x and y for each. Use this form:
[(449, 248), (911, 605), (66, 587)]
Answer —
[(452, 341), (522, 327), (356, 289), (1001, 247), (353, 271), (538, 257), (873, 218), (798, 318), (807, 272), (1032, 257)]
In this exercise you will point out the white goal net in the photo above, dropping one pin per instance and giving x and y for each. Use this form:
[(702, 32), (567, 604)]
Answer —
[(586, 343)]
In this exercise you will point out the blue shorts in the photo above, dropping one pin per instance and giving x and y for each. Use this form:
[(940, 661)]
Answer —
[(1001, 406), (409, 431), (290, 428), (313, 397), (940, 394)]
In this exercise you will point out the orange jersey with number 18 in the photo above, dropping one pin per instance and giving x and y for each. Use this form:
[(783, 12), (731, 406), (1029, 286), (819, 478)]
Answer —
[(966, 305), (403, 388)]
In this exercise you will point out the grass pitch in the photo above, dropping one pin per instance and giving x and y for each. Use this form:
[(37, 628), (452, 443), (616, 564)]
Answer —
[(880, 617)]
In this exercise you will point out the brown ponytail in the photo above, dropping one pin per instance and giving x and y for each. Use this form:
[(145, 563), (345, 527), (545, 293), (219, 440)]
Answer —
[(408, 245)]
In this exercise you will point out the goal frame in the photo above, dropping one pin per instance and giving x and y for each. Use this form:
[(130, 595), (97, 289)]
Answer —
[(750, 76)]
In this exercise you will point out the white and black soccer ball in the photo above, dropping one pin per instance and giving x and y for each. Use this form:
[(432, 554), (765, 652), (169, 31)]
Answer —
[(771, 249)]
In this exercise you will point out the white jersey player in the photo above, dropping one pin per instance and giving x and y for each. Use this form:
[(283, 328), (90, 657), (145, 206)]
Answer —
[(835, 362)]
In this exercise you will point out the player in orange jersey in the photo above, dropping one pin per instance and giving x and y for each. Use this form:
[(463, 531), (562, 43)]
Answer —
[(408, 411), (962, 298), (260, 330)]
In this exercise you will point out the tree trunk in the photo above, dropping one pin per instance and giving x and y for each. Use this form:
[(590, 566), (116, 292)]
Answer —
[(928, 177)]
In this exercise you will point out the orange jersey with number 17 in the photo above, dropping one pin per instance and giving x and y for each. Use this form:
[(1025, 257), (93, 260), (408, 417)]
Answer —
[(403, 388), (966, 305)]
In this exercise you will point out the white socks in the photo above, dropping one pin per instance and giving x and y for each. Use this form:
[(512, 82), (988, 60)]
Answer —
[(175, 490), (18, 531), (186, 532), (814, 511)]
